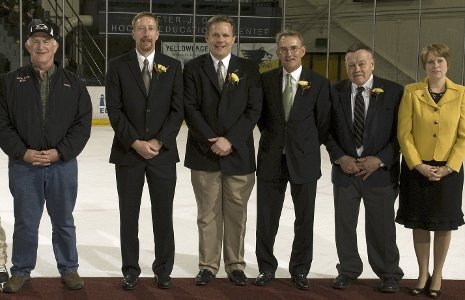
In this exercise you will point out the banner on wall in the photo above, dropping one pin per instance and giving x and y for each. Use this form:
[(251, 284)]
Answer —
[(99, 110), (173, 24), (264, 54)]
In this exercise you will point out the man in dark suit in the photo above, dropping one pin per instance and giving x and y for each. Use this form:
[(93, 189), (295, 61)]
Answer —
[(293, 124), (145, 107), (223, 100), (365, 155)]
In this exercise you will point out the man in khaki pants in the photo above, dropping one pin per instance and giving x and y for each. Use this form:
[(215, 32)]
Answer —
[(3, 256), (222, 102)]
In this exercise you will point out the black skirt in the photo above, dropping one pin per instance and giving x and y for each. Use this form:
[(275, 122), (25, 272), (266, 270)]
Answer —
[(430, 205)]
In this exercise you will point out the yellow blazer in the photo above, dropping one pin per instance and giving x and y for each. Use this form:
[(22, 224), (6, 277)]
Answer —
[(429, 131)]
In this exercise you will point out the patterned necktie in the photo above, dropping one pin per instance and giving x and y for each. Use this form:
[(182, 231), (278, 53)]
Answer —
[(219, 74), (146, 76), (359, 117), (288, 98)]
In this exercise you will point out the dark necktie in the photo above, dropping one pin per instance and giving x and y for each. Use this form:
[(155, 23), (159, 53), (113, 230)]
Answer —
[(287, 96), (359, 117), (219, 74), (146, 76)]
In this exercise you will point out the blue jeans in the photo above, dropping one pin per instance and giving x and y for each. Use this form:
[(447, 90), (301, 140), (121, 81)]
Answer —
[(31, 187)]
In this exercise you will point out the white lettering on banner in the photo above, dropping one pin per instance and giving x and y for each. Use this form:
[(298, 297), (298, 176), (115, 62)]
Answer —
[(120, 28)]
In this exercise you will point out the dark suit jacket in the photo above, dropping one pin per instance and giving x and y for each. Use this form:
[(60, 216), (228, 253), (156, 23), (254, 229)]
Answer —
[(231, 113), (134, 115), (303, 133), (380, 135)]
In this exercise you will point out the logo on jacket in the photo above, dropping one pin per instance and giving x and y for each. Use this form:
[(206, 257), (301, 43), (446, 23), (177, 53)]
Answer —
[(23, 78)]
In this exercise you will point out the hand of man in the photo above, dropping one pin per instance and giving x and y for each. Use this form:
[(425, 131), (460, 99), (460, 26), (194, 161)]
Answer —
[(41, 158), (367, 166), (156, 144), (348, 165), (221, 146), (145, 149)]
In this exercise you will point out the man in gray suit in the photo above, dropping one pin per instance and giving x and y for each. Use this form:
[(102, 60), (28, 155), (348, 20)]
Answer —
[(364, 152)]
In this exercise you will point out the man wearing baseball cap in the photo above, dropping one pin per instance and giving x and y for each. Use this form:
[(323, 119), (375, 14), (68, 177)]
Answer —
[(45, 122)]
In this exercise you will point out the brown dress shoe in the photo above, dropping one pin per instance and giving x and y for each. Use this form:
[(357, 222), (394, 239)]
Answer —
[(15, 283), (73, 281)]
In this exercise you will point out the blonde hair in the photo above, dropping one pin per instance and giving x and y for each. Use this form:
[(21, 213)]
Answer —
[(218, 19), (438, 49), (287, 33), (141, 15)]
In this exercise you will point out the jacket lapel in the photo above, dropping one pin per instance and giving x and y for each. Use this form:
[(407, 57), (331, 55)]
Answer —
[(375, 100), (278, 91), (234, 67), (135, 70), (209, 69), (347, 104), (299, 93)]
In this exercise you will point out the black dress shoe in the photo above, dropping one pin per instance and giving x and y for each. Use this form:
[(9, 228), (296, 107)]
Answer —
[(129, 282), (163, 282), (342, 281), (300, 281), (203, 277), (264, 278), (237, 277), (434, 293), (390, 285), (421, 291)]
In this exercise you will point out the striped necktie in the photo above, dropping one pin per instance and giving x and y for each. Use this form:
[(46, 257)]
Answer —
[(359, 117)]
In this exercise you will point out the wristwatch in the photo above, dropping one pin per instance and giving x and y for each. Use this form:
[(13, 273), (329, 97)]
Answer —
[(381, 164)]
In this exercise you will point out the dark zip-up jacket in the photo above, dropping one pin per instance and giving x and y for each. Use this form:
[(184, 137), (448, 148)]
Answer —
[(68, 116)]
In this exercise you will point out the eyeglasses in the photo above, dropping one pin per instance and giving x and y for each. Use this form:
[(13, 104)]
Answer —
[(284, 50)]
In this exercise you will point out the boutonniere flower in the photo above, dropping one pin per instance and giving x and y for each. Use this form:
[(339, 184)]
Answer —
[(159, 69), (376, 91), (233, 78), (304, 85)]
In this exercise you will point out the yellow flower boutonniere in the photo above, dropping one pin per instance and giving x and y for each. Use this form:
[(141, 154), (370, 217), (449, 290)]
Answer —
[(376, 91), (304, 85), (233, 78), (159, 69)]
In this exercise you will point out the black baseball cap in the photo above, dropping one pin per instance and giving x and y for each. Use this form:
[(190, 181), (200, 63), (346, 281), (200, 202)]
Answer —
[(37, 25)]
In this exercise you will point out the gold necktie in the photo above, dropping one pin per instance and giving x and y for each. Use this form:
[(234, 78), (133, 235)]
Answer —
[(288, 98)]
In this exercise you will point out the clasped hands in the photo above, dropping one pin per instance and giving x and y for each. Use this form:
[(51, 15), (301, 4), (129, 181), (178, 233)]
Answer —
[(41, 158), (363, 166), (433, 173), (147, 149), (221, 146)]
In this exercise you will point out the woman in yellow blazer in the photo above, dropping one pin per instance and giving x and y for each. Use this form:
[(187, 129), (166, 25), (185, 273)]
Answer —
[(431, 134)]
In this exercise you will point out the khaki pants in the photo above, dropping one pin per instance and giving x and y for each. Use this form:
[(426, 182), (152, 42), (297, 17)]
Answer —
[(3, 256), (221, 218)]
